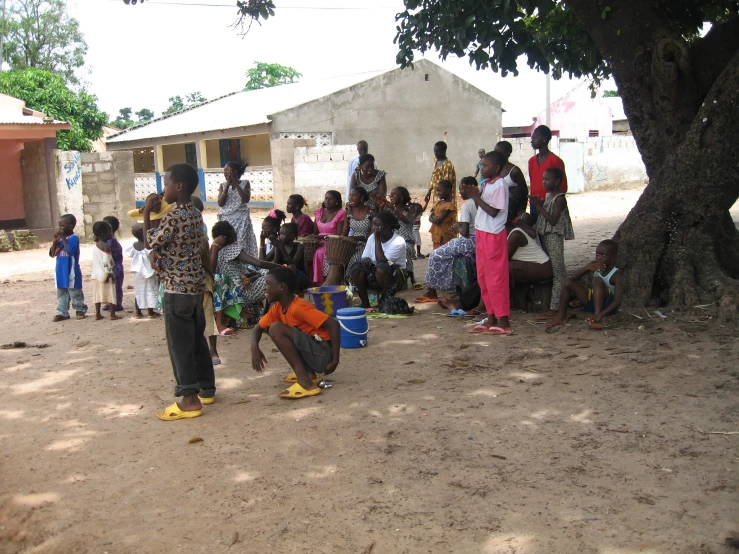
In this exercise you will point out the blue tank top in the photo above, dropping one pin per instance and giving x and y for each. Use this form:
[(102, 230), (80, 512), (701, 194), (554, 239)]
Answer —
[(607, 278)]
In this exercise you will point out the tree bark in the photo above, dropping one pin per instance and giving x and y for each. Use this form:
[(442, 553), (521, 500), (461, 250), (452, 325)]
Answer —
[(678, 245)]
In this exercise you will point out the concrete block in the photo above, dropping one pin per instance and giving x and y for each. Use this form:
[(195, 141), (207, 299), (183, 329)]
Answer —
[(100, 167), (314, 150), (310, 158), (300, 151), (5, 244), (89, 157), (325, 157), (106, 156), (106, 178), (301, 167), (88, 218), (327, 166), (87, 168), (24, 240)]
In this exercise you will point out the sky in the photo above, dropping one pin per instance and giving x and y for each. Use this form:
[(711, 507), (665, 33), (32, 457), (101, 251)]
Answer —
[(141, 55)]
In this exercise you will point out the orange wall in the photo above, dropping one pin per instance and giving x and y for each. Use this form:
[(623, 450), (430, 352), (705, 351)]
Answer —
[(11, 181)]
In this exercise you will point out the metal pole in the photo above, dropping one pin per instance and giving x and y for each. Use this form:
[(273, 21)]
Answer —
[(2, 37), (549, 106)]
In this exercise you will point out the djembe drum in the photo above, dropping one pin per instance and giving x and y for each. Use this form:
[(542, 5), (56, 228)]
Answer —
[(310, 245), (339, 250)]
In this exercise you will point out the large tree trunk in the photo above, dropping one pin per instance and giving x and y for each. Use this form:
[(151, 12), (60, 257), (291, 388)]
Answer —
[(678, 245)]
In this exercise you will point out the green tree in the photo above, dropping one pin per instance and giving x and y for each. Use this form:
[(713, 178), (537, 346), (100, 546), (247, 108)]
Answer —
[(176, 103), (145, 114), (266, 75), (679, 94), (610, 94), (47, 92), (123, 121), (40, 34)]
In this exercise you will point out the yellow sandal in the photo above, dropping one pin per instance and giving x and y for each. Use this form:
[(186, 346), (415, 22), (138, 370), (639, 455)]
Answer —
[(296, 391), (173, 413), (292, 378)]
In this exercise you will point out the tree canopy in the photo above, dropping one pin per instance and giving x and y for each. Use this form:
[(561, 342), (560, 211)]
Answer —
[(177, 103), (124, 121), (41, 34), (266, 75), (46, 92)]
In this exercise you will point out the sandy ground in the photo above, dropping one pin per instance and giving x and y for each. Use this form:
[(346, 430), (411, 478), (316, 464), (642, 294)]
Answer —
[(432, 440)]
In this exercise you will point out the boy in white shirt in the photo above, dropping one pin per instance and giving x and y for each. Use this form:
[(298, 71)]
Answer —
[(383, 260)]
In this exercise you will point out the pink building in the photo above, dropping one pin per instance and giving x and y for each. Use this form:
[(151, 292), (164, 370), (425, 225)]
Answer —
[(27, 175)]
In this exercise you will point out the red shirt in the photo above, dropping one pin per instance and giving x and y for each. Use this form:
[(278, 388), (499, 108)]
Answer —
[(536, 173)]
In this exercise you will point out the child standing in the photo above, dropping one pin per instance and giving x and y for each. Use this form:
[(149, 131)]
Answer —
[(554, 226), (491, 250), (308, 339), (400, 203), (443, 215), (145, 282), (177, 250), (606, 292), (417, 229), (116, 251), (68, 276), (103, 281)]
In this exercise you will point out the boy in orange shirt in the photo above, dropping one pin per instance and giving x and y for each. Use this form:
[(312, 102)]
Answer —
[(308, 339)]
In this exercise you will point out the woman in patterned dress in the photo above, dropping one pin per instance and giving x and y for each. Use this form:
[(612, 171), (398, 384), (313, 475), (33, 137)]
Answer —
[(400, 202), (233, 198), (372, 180), (231, 266), (359, 215)]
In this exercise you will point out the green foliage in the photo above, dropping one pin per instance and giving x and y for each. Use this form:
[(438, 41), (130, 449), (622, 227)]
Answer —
[(46, 92), (266, 75), (176, 103), (40, 34), (494, 33), (145, 114), (610, 94), (253, 10)]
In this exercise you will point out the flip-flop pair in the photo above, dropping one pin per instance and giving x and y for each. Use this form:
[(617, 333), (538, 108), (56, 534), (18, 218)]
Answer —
[(425, 300), (173, 413), (292, 378), (296, 391), (485, 330)]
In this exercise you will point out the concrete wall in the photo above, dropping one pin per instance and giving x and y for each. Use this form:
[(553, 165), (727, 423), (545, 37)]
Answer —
[(108, 188), (38, 208), (321, 168), (401, 114), (174, 154), (608, 161), (69, 187), (255, 149), (283, 168), (11, 181)]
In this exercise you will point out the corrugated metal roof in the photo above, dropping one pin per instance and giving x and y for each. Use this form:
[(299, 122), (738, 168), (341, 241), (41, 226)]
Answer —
[(14, 119), (513, 119), (240, 109)]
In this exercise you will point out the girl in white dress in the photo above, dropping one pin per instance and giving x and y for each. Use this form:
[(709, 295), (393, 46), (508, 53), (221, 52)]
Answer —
[(145, 280)]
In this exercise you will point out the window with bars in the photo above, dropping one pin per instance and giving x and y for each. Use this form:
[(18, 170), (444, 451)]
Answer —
[(230, 150), (191, 156)]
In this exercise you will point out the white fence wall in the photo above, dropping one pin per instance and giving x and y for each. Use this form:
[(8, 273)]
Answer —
[(322, 168)]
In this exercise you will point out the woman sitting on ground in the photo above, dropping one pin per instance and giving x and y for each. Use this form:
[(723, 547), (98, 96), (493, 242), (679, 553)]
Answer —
[(236, 281), (359, 217), (527, 261), (382, 266)]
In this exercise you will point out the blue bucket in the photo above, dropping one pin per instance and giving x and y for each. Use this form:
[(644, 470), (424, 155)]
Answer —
[(354, 327), (330, 299)]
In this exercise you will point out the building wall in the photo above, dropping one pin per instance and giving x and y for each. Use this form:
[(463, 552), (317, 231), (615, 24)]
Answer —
[(36, 186), (608, 161), (108, 188), (214, 154), (174, 154), (578, 113), (11, 181), (255, 149), (401, 115), (321, 168)]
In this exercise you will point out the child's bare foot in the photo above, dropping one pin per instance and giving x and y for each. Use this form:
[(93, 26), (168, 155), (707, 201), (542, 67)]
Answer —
[(113, 317), (555, 323)]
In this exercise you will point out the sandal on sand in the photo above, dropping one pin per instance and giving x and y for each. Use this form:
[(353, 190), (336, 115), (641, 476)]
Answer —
[(207, 401), (425, 300), (595, 325), (545, 317), (417, 286), (173, 413), (227, 332), (456, 313), (498, 331), (478, 330), (292, 378), (296, 391)]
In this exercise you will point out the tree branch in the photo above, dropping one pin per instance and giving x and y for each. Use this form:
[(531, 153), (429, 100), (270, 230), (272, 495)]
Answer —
[(713, 52)]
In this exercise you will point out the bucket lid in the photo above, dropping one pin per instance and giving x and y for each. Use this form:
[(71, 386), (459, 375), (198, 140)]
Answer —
[(348, 312)]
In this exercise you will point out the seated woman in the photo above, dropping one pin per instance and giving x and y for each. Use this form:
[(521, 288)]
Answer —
[(440, 272), (236, 281), (270, 229), (382, 266), (330, 220), (372, 180), (527, 261), (359, 216), (406, 212)]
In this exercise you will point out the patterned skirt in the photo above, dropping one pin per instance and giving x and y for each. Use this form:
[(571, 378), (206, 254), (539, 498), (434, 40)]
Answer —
[(440, 272)]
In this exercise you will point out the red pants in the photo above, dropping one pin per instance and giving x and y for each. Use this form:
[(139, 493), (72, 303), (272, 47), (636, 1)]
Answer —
[(491, 254)]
